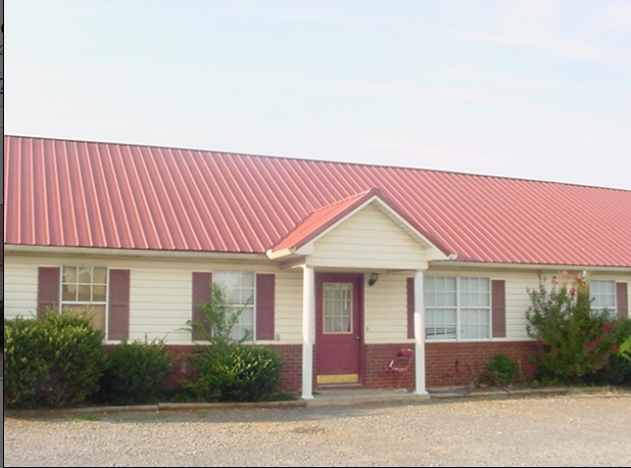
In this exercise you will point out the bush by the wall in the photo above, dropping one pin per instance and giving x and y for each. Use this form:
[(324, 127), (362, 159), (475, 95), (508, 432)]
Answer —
[(226, 369), (502, 369), (618, 369), (134, 373), (574, 342), (236, 373), (53, 362)]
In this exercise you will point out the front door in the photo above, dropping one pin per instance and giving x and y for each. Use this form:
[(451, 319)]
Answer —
[(338, 328)]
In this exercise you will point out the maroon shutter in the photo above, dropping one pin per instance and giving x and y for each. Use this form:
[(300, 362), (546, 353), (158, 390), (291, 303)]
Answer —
[(498, 312), (265, 285), (622, 300), (48, 281), (410, 296), (118, 314), (202, 292)]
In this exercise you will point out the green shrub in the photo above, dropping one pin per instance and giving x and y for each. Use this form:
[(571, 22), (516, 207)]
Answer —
[(573, 341), (226, 369), (53, 362), (236, 373), (135, 372), (502, 369), (2, 307), (624, 339), (618, 369)]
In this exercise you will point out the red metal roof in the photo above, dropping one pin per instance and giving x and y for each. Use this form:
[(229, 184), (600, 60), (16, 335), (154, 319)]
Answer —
[(86, 194)]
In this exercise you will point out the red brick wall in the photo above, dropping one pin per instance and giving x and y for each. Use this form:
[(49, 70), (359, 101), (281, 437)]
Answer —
[(447, 364), (181, 367), (291, 372), (457, 364)]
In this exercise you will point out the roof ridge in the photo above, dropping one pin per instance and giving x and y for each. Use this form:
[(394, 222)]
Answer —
[(327, 161)]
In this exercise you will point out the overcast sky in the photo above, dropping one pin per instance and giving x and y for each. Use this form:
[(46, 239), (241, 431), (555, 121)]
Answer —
[(529, 89)]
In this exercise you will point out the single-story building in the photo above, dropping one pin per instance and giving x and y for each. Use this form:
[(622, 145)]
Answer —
[(344, 263)]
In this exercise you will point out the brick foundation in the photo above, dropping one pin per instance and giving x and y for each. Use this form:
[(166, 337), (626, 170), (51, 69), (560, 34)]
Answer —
[(457, 364), (447, 364)]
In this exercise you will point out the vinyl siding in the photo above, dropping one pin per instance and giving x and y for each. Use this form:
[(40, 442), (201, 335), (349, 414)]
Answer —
[(161, 295), (160, 291), (288, 323), (368, 239), (385, 309), (20, 288)]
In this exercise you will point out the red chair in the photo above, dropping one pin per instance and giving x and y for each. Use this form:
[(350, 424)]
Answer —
[(401, 365)]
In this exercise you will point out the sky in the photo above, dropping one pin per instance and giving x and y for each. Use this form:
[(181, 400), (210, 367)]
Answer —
[(535, 89)]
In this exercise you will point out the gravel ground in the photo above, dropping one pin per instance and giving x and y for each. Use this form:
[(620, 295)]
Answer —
[(583, 430)]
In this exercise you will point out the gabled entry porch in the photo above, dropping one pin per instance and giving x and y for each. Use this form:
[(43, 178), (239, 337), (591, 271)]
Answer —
[(347, 311)]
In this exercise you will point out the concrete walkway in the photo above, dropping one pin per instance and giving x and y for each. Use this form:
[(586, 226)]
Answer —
[(335, 397)]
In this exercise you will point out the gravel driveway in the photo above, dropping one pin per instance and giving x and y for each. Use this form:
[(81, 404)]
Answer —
[(578, 430)]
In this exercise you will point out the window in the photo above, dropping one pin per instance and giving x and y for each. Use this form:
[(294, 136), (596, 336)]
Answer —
[(457, 308), (337, 308), (239, 289), (603, 294), (84, 289)]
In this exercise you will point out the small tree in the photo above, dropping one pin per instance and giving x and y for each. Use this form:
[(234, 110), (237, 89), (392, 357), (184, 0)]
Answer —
[(227, 370), (573, 340), (222, 318)]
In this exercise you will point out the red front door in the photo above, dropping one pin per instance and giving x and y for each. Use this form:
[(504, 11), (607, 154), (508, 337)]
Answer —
[(338, 328)]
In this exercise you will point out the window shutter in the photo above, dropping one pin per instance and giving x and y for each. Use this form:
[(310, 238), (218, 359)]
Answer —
[(265, 292), (118, 314), (498, 313), (622, 299), (48, 281), (202, 292), (410, 300)]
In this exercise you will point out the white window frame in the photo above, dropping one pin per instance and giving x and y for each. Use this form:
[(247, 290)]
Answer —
[(459, 309), (600, 297), (64, 303), (243, 298)]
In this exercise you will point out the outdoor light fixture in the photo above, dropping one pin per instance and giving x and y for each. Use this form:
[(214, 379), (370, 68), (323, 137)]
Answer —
[(373, 279)]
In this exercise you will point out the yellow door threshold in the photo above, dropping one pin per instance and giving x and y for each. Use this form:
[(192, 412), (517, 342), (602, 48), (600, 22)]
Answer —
[(337, 379)]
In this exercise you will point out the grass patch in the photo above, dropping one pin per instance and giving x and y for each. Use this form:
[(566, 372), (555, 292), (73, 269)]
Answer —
[(86, 417)]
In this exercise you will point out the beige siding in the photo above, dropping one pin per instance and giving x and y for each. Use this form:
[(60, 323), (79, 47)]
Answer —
[(161, 295), (160, 303), (385, 310), (288, 311), (20, 288), (160, 291), (368, 239)]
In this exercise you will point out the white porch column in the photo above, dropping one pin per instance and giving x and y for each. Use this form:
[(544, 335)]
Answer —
[(419, 333), (308, 321)]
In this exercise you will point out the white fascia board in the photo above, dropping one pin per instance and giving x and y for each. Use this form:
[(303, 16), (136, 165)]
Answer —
[(276, 254), (528, 266), (131, 253)]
